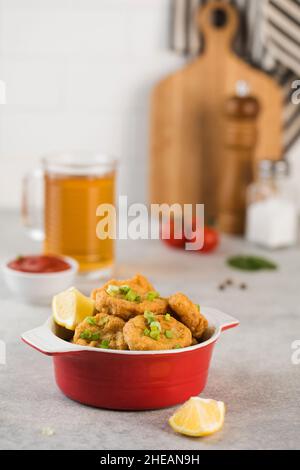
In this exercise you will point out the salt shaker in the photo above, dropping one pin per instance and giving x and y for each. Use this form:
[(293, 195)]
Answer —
[(272, 216)]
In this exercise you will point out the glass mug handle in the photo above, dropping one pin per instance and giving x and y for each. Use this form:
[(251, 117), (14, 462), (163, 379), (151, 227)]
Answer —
[(33, 204)]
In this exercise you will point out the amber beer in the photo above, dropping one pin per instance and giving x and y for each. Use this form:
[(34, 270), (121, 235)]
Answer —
[(72, 194)]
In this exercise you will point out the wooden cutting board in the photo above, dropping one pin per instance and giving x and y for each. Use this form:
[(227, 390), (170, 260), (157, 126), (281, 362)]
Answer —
[(187, 118)]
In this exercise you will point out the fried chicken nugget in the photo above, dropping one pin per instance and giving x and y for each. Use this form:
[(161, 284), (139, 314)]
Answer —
[(171, 334), (138, 283), (119, 306), (188, 313), (126, 309), (101, 331)]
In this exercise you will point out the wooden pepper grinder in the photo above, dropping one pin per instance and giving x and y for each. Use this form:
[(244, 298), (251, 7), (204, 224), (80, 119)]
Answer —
[(240, 139)]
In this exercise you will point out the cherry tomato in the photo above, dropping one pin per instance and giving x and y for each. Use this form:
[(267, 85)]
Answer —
[(211, 237), (170, 240), (211, 240)]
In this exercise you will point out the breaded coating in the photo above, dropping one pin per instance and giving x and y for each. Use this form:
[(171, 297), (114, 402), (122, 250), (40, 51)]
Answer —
[(125, 309), (119, 306), (172, 334), (138, 283), (188, 313), (101, 330)]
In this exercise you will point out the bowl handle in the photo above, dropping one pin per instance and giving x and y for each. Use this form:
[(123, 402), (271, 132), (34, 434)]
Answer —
[(42, 339), (224, 321)]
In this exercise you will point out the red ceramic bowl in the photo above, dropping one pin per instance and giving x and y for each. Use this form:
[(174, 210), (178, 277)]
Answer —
[(130, 380)]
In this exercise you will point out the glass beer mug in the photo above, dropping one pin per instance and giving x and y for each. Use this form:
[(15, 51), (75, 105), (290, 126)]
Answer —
[(59, 207)]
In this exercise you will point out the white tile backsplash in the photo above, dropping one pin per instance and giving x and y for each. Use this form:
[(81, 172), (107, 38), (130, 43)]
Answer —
[(105, 85), (31, 31), (78, 75), (32, 134), (32, 84)]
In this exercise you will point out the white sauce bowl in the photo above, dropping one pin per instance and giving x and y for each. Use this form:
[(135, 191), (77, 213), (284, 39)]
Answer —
[(39, 288)]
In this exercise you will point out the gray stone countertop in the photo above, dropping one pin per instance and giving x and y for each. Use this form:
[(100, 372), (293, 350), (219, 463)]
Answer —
[(251, 371)]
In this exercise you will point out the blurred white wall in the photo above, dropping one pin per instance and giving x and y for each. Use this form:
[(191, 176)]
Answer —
[(294, 159), (78, 75)]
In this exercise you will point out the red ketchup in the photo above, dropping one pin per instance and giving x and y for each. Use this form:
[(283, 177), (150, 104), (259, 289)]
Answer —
[(39, 264)]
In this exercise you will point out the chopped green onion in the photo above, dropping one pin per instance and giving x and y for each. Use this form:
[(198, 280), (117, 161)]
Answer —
[(146, 332), (169, 334), (113, 290), (150, 317), (155, 326), (152, 295), (177, 346), (103, 320), (124, 289), (132, 296), (198, 307), (167, 317), (154, 335), (89, 335), (91, 320), (104, 344), (86, 334), (95, 336)]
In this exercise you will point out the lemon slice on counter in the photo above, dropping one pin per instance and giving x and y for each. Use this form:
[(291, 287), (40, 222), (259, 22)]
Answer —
[(198, 417), (71, 307)]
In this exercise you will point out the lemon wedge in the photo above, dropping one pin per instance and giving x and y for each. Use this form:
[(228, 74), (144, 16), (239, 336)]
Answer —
[(198, 417), (70, 307)]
